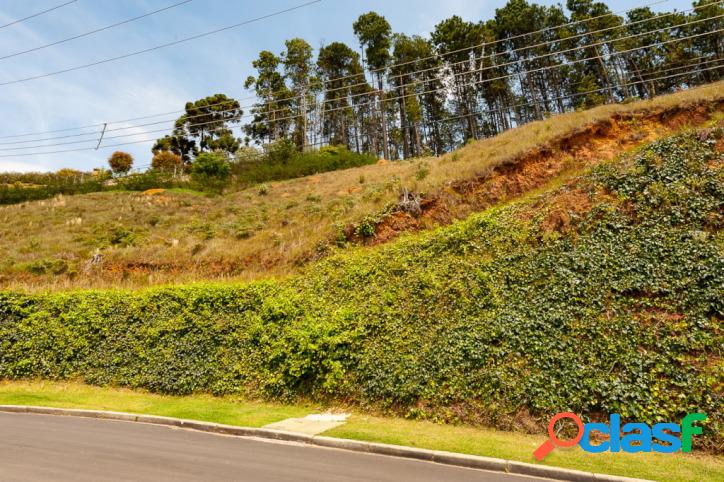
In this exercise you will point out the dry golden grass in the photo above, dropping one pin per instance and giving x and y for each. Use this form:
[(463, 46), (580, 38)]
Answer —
[(181, 236)]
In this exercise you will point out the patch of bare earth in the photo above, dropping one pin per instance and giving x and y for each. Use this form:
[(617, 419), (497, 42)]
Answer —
[(577, 150)]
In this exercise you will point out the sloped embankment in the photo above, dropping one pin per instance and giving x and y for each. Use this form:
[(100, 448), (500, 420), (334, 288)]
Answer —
[(567, 154), (601, 296)]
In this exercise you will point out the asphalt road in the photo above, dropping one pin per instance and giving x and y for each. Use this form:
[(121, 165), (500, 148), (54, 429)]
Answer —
[(46, 447)]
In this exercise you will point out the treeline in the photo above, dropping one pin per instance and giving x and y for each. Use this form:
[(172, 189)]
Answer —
[(209, 172), (410, 96), (22, 187), (32, 186)]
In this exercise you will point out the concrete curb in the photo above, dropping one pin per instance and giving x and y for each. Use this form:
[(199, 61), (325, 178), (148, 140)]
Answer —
[(440, 457)]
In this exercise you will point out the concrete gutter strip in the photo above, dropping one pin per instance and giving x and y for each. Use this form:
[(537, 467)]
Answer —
[(440, 457)]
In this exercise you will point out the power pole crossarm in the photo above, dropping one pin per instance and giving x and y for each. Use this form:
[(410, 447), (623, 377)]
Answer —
[(103, 132)]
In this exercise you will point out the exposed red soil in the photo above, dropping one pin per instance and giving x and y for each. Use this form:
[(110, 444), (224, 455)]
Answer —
[(583, 148), (214, 268), (563, 208)]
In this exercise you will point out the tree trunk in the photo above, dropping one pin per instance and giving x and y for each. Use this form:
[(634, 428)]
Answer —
[(403, 125), (418, 140), (604, 72), (304, 121), (385, 146)]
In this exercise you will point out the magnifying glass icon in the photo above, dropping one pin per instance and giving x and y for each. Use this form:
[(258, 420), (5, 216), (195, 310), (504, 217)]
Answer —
[(553, 441)]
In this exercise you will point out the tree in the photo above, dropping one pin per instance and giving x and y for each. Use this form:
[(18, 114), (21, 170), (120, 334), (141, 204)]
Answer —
[(337, 66), (406, 52), (120, 162), (530, 37), (468, 80), (453, 37), (375, 36), (177, 144), (298, 69), (272, 114), (207, 123), (595, 30), (710, 47), (166, 161), (205, 126)]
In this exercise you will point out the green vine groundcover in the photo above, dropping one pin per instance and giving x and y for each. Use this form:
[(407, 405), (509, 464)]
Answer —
[(609, 304)]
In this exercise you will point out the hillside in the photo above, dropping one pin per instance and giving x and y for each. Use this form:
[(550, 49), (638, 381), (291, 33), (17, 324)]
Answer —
[(601, 295), (134, 239)]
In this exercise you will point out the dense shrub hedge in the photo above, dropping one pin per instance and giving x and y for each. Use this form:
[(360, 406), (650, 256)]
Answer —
[(280, 164), (483, 321), (209, 173), (18, 187), (22, 187)]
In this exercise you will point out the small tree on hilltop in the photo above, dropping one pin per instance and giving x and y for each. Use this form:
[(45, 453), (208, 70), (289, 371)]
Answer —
[(120, 162), (166, 161)]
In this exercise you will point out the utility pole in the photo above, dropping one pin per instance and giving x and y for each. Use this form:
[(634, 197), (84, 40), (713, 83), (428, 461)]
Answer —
[(101, 137)]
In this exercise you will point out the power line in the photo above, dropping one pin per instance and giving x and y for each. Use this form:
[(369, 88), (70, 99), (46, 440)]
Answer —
[(157, 47), (390, 99), (92, 32), (460, 74), (37, 14), (445, 54), (441, 120), (495, 42), (389, 67), (66, 129), (628, 84), (578, 94), (530, 104), (93, 133), (436, 55), (491, 67), (469, 72), (696, 64), (490, 56)]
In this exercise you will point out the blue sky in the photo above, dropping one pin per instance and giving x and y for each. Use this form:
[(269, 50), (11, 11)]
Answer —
[(164, 80)]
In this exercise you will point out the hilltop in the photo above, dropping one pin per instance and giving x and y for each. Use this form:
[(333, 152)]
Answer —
[(137, 239)]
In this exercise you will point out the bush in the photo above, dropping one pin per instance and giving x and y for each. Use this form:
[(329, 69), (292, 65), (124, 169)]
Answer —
[(248, 154), (210, 172), (143, 181), (166, 161), (210, 165), (69, 174), (117, 235), (286, 164), (47, 266), (17, 187), (120, 162), (281, 151)]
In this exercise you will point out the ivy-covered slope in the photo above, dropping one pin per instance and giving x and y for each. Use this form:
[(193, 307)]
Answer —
[(602, 296)]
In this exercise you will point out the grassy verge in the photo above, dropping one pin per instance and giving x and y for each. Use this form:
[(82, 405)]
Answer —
[(469, 440), (520, 447), (207, 408)]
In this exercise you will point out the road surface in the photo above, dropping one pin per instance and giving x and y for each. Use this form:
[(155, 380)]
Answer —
[(45, 447)]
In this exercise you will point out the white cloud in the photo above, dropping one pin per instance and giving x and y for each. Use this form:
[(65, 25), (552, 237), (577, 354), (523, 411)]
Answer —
[(11, 166)]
